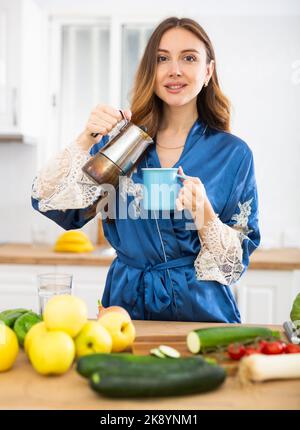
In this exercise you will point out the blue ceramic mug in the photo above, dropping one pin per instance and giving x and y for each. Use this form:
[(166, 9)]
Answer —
[(161, 187)]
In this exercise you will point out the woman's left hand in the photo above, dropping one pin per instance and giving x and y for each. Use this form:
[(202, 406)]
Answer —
[(192, 196)]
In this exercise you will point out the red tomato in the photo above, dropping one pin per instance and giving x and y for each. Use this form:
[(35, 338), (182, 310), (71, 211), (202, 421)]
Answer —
[(251, 350), (271, 348), (291, 348), (236, 351), (261, 345), (284, 345)]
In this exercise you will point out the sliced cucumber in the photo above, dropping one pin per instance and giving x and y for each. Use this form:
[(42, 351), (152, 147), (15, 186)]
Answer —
[(168, 351), (157, 353), (193, 342)]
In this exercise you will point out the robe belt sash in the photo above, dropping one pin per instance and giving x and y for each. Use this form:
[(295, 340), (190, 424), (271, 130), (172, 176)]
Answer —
[(153, 283)]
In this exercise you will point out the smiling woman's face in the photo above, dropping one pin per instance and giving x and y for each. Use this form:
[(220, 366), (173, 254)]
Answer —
[(181, 67)]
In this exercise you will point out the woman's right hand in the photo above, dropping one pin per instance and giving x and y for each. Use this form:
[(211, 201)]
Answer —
[(102, 120)]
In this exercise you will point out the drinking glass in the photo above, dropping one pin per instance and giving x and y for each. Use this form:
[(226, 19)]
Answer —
[(52, 284)]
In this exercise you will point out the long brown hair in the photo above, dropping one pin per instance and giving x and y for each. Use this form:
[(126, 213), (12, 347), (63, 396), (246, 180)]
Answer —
[(213, 106)]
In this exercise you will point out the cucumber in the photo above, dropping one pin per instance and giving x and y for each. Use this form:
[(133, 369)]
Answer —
[(171, 383), (11, 315), (168, 351), (157, 353), (89, 364), (164, 351), (210, 360), (213, 337)]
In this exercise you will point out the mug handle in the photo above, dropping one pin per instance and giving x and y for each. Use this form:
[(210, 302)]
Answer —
[(181, 176), (124, 118)]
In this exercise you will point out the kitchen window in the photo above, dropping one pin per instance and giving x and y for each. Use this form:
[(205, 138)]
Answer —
[(85, 75), (92, 60), (135, 38)]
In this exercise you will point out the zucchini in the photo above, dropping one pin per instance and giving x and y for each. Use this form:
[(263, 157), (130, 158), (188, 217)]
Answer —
[(157, 353), (146, 384), (210, 338), (168, 351), (11, 315), (130, 363), (210, 360)]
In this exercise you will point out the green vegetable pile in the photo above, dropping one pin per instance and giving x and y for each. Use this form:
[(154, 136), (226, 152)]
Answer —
[(20, 320), (127, 375), (295, 312)]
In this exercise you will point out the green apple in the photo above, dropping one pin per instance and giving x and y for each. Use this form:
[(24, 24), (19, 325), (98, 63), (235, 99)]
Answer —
[(121, 329), (93, 338), (66, 313), (51, 352)]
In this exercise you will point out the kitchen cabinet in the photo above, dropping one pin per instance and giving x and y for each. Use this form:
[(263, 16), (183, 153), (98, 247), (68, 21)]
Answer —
[(9, 64), (266, 296), (21, 59), (18, 284), (263, 296)]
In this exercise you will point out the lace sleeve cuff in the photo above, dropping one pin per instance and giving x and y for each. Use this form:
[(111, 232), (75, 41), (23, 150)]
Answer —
[(221, 254), (62, 185)]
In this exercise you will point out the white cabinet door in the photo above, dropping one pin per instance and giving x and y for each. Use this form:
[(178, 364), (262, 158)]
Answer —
[(265, 296), (9, 64), (18, 285)]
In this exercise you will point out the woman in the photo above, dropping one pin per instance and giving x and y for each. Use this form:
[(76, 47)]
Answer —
[(164, 269)]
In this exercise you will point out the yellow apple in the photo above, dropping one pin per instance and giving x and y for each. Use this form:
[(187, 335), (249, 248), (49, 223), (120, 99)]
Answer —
[(121, 329), (52, 352), (35, 330), (65, 312), (93, 338), (9, 347)]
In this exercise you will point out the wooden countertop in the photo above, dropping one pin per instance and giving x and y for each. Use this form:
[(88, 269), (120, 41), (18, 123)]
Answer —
[(23, 388), (13, 253), (22, 253)]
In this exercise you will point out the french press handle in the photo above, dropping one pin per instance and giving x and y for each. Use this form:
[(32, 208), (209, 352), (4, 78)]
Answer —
[(124, 118)]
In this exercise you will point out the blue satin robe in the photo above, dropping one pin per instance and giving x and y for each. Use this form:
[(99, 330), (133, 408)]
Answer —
[(153, 275)]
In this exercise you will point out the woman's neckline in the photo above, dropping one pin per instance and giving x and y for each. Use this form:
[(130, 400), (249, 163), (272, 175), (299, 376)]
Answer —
[(177, 164)]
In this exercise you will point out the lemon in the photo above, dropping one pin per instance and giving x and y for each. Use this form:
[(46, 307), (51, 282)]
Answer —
[(73, 241), (71, 247), (9, 348), (73, 236)]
